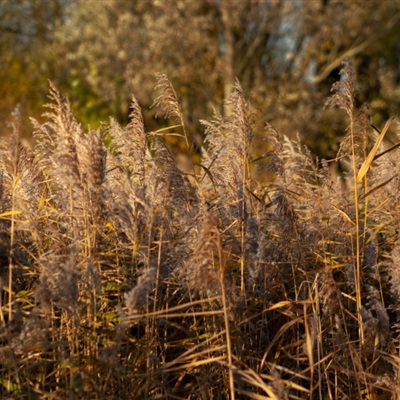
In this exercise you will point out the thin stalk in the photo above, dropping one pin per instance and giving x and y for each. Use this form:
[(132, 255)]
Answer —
[(226, 320), (357, 272), (243, 233), (366, 188), (184, 131), (11, 253), (14, 154)]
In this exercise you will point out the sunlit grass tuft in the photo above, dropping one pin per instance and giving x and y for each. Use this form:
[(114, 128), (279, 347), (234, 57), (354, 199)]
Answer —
[(124, 277)]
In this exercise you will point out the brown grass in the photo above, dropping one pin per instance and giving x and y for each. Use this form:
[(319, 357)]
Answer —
[(124, 277)]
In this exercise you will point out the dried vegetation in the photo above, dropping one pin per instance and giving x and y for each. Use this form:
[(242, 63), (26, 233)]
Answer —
[(124, 277)]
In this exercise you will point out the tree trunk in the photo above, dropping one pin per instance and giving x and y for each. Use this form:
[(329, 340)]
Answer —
[(228, 51)]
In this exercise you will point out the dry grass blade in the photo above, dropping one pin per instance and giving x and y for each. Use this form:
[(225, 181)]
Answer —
[(310, 341), (254, 379), (254, 396), (368, 161), (375, 188), (395, 146), (281, 331)]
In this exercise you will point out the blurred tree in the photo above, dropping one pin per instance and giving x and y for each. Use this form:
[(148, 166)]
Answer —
[(26, 29), (286, 54)]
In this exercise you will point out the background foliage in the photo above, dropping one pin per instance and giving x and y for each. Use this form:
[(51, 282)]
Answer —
[(286, 54)]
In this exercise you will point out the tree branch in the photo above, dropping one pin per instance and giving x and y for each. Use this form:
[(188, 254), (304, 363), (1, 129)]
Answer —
[(354, 51)]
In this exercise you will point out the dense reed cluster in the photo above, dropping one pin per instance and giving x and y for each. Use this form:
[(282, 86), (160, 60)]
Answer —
[(123, 277)]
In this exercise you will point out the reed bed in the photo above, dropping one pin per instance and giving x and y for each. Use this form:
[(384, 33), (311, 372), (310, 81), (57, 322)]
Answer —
[(123, 277)]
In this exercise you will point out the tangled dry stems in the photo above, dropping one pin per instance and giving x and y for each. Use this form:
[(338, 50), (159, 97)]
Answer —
[(124, 277)]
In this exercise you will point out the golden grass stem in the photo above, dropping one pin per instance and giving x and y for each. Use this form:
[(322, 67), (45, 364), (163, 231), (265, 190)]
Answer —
[(357, 269), (226, 319)]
